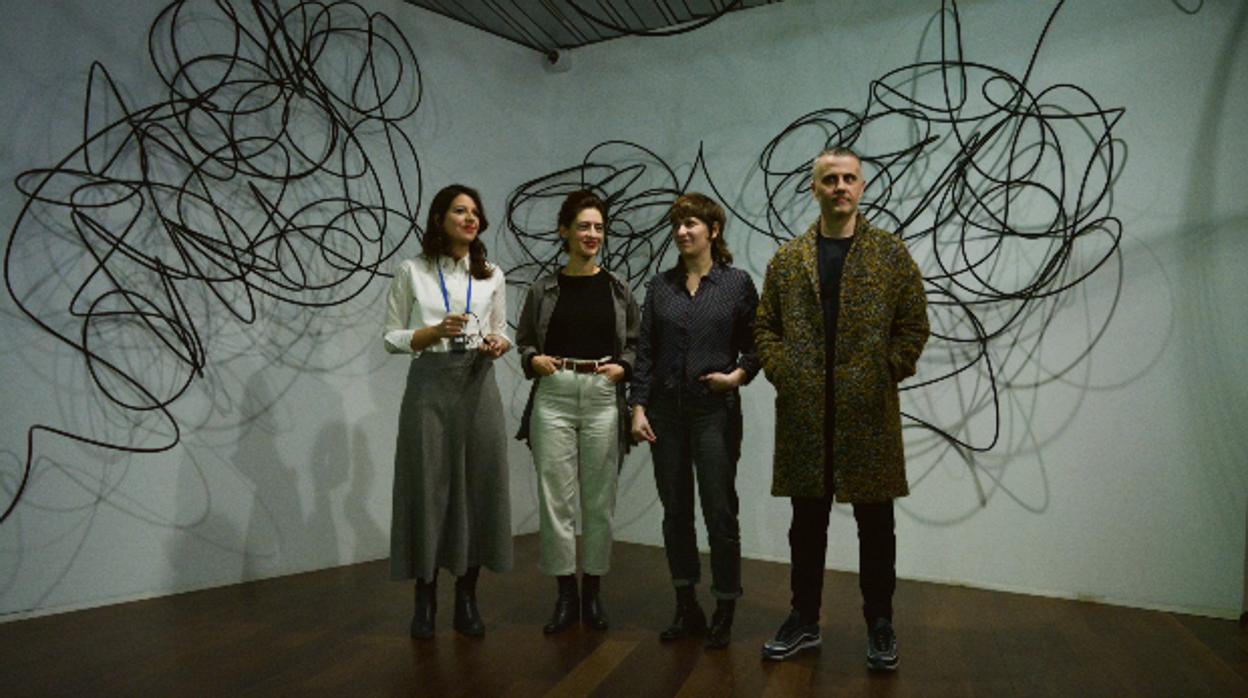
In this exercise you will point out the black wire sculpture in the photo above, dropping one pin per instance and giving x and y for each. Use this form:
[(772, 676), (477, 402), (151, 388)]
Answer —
[(273, 168), (269, 172), (1002, 192)]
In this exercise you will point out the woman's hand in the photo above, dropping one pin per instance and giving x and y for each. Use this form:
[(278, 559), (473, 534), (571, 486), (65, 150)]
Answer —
[(494, 345), (612, 372), (641, 426), (723, 382), (544, 365), (451, 326)]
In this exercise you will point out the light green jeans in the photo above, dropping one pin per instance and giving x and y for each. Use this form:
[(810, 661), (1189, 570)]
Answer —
[(575, 440)]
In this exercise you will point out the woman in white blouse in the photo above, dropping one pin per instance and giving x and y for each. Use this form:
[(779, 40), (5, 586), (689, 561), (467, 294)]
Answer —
[(447, 308)]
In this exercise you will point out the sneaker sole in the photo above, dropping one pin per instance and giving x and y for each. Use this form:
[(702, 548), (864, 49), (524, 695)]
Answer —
[(807, 642), (882, 665)]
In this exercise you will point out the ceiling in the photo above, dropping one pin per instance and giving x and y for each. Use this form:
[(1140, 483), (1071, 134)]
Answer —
[(551, 25)]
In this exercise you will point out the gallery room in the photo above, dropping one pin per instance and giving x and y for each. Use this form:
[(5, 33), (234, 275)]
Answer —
[(959, 285)]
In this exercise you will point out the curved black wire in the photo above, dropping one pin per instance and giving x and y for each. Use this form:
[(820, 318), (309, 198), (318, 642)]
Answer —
[(638, 187), (1001, 191), (269, 168), (1200, 5)]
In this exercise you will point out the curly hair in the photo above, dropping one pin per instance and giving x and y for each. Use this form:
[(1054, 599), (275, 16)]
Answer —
[(572, 206)]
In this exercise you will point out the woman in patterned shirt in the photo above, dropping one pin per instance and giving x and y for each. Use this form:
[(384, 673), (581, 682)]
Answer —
[(696, 348)]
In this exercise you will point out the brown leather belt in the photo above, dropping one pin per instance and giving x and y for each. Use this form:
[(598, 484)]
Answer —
[(580, 365)]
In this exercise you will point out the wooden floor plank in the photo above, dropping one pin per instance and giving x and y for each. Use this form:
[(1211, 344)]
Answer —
[(344, 631), (789, 678), (585, 678)]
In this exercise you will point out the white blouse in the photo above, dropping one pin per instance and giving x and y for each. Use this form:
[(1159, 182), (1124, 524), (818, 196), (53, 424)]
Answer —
[(415, 301)]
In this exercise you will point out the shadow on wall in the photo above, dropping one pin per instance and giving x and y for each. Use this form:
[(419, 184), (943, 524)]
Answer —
[(43, 543), (371, 541), (238, 499), (302, 505), (247, 527)]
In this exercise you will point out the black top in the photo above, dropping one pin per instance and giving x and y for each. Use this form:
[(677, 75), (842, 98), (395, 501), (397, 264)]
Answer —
[(684, 337), (832, 254), (582, 325)]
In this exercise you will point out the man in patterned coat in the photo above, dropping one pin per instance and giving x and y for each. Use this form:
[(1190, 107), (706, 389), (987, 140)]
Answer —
[(842, 320)]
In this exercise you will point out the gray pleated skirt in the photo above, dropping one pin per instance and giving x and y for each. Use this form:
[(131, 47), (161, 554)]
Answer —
[(452, 506)]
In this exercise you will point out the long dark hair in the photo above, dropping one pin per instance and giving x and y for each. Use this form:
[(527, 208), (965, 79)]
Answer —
[(435, 244)]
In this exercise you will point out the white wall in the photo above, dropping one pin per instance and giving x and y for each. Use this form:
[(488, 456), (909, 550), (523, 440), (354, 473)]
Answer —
[(285, 459), (1121, 480), (1124, 478)]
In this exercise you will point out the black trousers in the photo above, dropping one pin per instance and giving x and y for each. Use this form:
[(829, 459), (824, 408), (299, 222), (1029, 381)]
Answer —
[(808, 543), (877, 554)]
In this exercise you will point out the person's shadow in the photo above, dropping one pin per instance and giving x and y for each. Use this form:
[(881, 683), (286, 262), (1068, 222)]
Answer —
[(275, 526), (371, 540), (330, 469)]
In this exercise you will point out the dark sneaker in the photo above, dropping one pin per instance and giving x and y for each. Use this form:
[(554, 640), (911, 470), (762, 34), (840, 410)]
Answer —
[(881, 646), (792, 637)]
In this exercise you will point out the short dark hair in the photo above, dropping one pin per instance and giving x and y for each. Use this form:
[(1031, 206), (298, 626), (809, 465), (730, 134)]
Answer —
[(839, 151), (576, 202), (434, 242), (704, 208)]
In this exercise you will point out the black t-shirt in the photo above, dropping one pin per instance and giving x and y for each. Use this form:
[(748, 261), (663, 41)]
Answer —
[(582, 325), (832, 254)]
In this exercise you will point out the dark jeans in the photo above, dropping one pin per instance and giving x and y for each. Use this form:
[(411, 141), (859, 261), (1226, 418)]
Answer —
[(877, 554), (694, 437)]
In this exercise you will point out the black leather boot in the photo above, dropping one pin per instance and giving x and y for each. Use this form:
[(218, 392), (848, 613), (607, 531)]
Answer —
[(567, 606), (467, 619), (426, 606), (721, 624), (592, 613), (689, 618)]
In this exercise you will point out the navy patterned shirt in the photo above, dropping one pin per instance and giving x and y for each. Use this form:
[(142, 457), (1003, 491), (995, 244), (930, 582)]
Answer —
[(685, 337)]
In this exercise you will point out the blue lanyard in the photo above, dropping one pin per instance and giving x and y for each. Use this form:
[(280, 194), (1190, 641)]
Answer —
[(446, 297)]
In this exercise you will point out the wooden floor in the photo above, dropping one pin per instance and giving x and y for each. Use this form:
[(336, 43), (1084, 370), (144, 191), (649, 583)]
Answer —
[(344, 632)]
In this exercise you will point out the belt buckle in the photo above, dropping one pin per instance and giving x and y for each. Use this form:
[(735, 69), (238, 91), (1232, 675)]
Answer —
[(579, 365)]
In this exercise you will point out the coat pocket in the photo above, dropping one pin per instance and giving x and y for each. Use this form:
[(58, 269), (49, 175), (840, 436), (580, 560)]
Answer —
[(870, 384)]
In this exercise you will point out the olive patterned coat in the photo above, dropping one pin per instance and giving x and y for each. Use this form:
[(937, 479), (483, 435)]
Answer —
[(881, 329)]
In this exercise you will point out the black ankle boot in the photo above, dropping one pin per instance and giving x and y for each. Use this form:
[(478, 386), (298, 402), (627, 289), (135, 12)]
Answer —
[(426, 606), (567, 606), (721, 624), (467, 619), (592, 613), (689, 618)]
